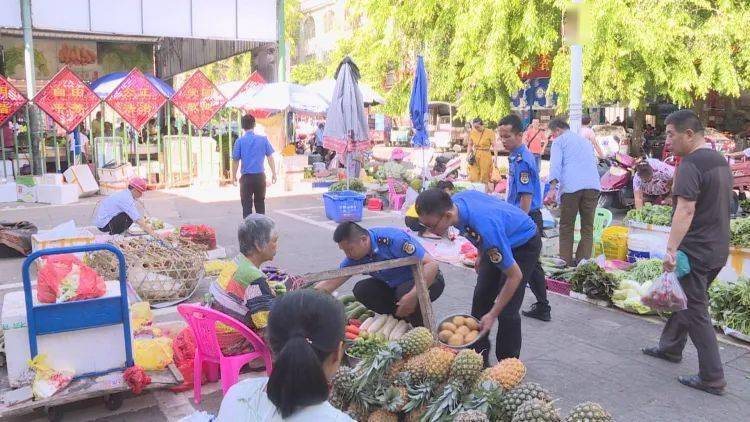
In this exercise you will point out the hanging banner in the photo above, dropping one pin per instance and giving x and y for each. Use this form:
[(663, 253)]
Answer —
[(66, 99), (199, 99), (11, 100), (136, 99), (253, 84)]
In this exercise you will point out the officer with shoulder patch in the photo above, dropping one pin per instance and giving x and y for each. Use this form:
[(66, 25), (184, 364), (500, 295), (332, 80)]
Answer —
[(387, 291), (525, 192), (509, 246)]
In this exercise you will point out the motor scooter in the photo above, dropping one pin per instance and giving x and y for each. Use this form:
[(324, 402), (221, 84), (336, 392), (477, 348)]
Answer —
[(617, 183)]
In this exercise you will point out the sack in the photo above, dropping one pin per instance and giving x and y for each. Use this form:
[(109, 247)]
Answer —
[(140, 316), (64, 278), (153, 354), (17, 236), (665, 294)]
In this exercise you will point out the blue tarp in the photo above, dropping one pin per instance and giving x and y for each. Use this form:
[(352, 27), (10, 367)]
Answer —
[(107, 83)]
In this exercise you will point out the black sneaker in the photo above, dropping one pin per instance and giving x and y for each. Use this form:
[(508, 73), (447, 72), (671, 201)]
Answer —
[(539, 311), (659, 354), (695, 381)]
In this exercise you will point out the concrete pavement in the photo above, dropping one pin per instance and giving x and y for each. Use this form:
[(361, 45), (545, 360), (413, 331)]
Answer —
[(585, 353)]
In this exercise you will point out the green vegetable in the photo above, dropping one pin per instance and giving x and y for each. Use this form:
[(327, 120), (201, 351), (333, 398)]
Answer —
[(355, 185), (739, 229), (660, 215), (591, 280), (346, 299), (645, 270), (365, 347), (730, 304)]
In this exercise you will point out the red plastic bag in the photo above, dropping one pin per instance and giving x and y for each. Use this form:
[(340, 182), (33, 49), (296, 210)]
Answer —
[(665, 294), (64, 278), (202, 234), (183, 348)]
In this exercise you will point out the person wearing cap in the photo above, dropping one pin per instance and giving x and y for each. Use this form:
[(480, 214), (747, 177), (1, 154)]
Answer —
[(395, 168), (480, 148), (117, 212)]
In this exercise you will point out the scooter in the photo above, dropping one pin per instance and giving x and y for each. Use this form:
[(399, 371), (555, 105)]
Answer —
[(617, 183)]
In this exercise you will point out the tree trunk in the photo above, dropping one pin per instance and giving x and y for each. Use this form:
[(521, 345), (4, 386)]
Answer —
[(699, 109), (639, 117)]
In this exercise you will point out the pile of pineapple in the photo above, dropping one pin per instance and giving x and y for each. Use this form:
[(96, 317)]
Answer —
[(415, 379)]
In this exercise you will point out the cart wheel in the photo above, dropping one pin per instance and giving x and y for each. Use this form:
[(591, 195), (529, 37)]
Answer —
[(113, 401), (54, 414)]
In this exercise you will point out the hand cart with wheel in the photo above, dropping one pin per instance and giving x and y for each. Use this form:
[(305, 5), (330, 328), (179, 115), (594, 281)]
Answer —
[(45, 319)]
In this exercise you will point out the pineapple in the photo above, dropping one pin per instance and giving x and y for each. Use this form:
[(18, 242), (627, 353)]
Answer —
[(416, 367), (589, 412), (536, 410), (394, 399), (508, 373), (358, 412), (438, 363), (382, 415), (396, 369), (471, 416), (467, 366), (337, 401), (343, 385), (514, 398), (447, 402), (416, 341), (418, 396), (373, 369), (486, 398), (416, 414)]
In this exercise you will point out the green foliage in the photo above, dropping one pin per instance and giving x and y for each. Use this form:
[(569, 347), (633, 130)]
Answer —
[(310, 71), (660, 215), (355, 185), (730, 304), (645, 270), (591, 280), (739, 229), (292, 20)]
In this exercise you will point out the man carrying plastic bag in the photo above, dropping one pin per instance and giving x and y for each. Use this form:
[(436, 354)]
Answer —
[(697, 249)]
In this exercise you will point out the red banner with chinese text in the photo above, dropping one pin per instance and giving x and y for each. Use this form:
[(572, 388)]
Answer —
[(199, 99), (11, 100), (66, 99), (136, 99), (254, 83)]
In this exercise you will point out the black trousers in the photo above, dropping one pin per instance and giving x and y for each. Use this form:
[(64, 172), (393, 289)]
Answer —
[(118, 224), (537, 282), (490, 280), (253, 192), (381, 298)]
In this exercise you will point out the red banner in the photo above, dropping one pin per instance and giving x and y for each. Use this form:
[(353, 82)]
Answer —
[(136, 99), (11, 100), (66, 99), (254, 83), (199, 99)]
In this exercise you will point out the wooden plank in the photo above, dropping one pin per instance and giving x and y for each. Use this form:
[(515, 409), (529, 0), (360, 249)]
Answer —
[(313, 278), (425, 304)]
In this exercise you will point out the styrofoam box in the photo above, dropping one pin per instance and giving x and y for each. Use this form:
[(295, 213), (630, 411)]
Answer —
[(26, 193), (81, 176), (108, 188), (44, 240), (90, 350), (121, 173), (8, 192), (53, 179), (57, 194)]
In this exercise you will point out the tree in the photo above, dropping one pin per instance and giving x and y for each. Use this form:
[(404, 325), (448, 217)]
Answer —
[(310, 71)]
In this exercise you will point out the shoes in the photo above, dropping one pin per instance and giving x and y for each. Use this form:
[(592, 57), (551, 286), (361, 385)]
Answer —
[(658, 353), (695, 381), (539, 311)]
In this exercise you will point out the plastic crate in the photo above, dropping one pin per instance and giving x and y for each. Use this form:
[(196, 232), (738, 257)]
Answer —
[(558, 286), (344, 205), (322, 184)]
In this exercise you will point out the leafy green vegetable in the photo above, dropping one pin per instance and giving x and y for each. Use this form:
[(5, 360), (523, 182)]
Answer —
[(355, 185), (660, 215), (365, 347), (591, 280), (730, 304), (739, 229), (645, 270)]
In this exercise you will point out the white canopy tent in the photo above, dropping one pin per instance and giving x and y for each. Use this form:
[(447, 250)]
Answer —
[(325, 87)]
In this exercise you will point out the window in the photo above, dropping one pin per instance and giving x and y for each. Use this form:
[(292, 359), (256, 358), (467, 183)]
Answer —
[(308, 28), (328, 21)]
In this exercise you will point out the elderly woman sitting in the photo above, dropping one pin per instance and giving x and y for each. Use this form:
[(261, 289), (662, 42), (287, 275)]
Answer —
[(242, 290)]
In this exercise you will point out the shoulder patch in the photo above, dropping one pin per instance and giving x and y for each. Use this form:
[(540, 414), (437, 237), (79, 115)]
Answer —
[(495, 256), (472, 235), (519, 158), (409, 248), (385, 241), (524, 178)]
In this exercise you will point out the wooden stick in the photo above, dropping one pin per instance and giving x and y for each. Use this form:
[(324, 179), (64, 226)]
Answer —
[(313, 278), (425, 304)]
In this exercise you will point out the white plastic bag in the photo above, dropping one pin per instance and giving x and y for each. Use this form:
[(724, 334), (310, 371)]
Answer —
[(665, 294)]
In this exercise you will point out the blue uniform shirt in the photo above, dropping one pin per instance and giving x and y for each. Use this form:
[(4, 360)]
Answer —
[(495, 227), (524, 178), (389, 243), (252, 149)]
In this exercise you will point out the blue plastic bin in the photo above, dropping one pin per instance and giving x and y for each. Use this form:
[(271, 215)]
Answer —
[(343, 206)]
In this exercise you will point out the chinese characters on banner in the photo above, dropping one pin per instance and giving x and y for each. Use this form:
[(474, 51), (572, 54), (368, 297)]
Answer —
[(11, 100), (199, 99), (136, 99), (253, 84), (66, 99)]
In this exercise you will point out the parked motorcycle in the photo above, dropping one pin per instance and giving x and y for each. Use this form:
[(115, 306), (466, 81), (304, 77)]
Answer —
[(617, 183)]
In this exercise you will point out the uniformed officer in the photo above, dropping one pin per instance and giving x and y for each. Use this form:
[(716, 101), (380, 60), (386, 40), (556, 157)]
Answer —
[(509, 246), (525, 192), (389, 291)]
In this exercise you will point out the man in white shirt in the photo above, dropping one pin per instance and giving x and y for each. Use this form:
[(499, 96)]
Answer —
[(117, 212)]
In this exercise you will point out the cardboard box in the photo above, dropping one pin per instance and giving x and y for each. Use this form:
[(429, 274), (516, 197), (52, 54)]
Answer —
[(8, 192), (90, 350), (53, 179), (57, 194), (81, 175)]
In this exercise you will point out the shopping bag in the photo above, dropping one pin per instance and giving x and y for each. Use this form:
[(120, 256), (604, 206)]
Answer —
[(48, 380), (153, 354), (65, 278), (665, 294)]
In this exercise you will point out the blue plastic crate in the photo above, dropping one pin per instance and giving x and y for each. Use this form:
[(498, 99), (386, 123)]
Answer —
[(344, 205), (322, 184)]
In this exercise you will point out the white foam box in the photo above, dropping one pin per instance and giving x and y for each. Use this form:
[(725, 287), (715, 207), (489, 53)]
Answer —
[(121, 173), (53, 179), (81, 175), (89, 350), (26, 193), (57, 194), (8, 192), (108, 188)]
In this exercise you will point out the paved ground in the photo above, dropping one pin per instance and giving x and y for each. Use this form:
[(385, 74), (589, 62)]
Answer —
[(585, 353)]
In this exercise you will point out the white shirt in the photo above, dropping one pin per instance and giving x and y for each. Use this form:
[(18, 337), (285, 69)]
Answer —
[(247, 401), (82, 138), (114, 204)]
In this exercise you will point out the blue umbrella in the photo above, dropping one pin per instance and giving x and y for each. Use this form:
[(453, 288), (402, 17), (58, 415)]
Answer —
[(418, 106), (107, 83)]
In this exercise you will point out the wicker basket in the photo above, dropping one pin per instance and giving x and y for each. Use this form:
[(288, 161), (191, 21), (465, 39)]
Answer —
[(558, 286)]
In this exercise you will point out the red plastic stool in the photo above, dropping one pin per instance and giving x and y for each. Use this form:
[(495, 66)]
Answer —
[(374, 204)]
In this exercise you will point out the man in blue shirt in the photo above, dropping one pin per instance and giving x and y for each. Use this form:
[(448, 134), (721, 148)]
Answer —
[(388, 291), (252, 149), (509, 246), (573, 167), (525, 192)]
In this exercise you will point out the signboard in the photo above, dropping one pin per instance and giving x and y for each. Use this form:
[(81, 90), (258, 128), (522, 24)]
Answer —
[(534, 94), (10, 100), (254, 83), (136, 99), (66, 99), (199, 99)]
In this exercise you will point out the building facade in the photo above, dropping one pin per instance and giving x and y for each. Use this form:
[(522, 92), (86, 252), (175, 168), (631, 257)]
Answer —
[(324, 23)]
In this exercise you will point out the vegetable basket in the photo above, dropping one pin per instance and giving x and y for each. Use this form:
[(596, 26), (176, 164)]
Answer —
[(558, 286)]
